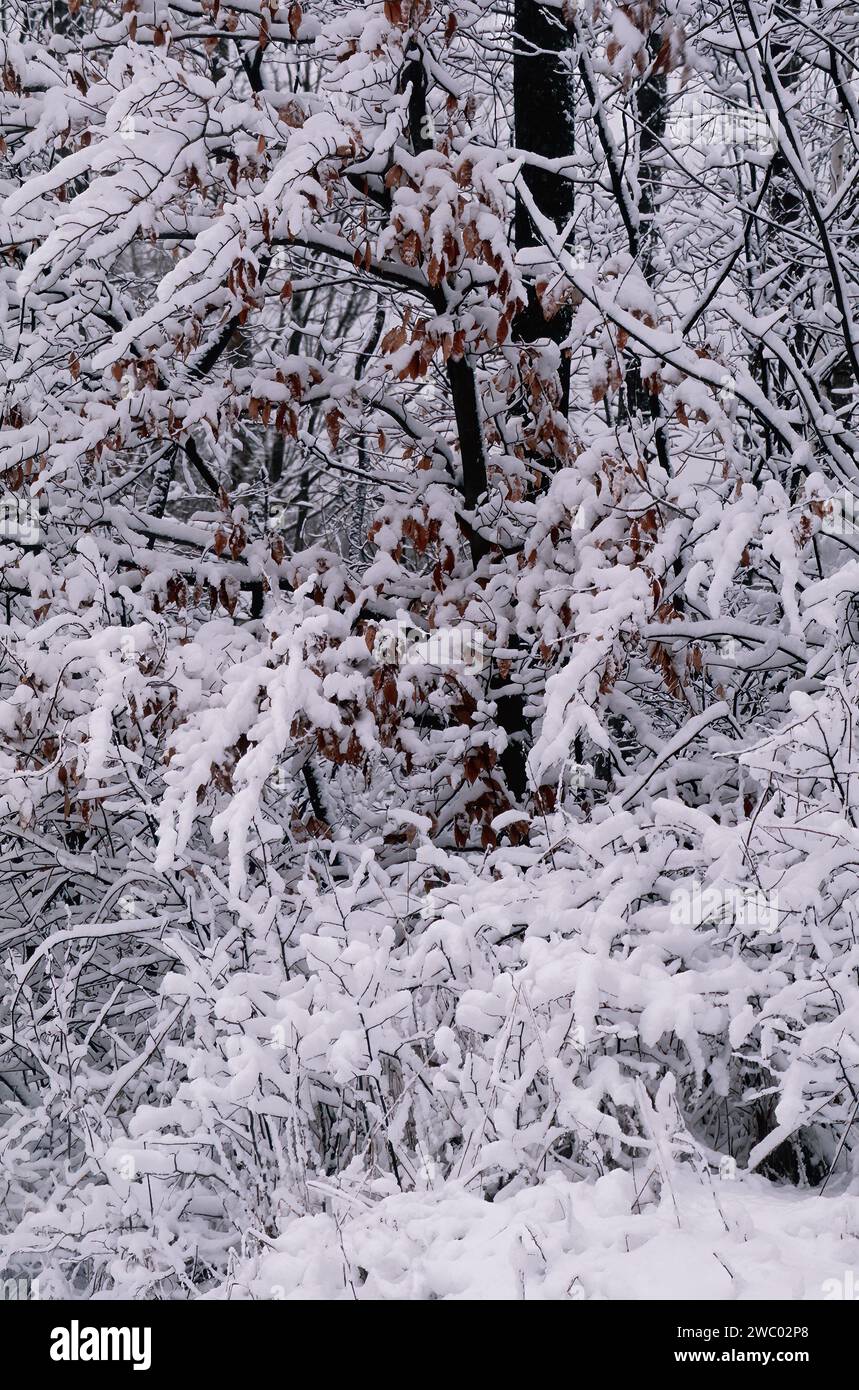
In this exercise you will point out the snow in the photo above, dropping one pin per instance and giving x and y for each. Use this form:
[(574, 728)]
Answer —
[(702, 1241)]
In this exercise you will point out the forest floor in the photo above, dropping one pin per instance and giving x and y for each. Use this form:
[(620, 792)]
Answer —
[(703, 1239)]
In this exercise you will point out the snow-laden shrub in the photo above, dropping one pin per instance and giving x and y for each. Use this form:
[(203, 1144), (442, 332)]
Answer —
[(637, 993)]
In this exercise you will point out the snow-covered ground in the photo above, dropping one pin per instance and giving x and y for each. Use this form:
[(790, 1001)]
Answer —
[(743, 1239)]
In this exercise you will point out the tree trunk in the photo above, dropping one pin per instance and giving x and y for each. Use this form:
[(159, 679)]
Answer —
[(543, 121), (543, 125)]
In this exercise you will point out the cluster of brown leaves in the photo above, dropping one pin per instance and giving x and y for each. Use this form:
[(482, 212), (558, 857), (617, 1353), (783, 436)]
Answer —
[(477, 817), (407, 14), (426, 343), (469, 243)]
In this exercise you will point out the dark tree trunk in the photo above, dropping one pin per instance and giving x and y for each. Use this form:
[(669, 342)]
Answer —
[(543, 125), (650, 106)]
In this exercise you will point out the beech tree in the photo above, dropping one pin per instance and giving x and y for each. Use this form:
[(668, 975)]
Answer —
[(427, 650)]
